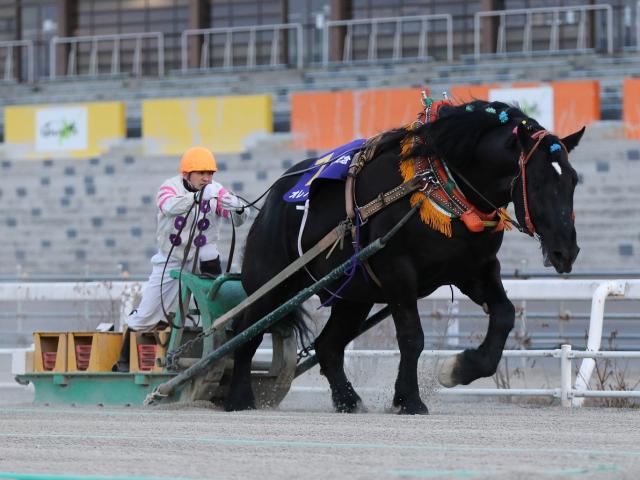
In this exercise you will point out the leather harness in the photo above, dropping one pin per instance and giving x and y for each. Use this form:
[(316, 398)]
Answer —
[(359, 160)]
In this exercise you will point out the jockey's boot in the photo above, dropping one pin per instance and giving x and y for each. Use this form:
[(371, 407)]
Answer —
[(211, 268), (122, 365)]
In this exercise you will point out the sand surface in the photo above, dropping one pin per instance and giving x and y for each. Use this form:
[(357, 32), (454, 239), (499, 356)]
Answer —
[(457, 440)]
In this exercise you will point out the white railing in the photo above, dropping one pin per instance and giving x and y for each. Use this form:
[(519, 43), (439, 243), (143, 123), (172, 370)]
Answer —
[(125, 292), (424, 22), (554, 34), (569, 396), (542, 289), (114, 43), (276, 51), (18, 359), (10, 48)]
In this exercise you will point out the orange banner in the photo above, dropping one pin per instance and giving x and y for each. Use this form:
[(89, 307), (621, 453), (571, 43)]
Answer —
[(323, 120), (467, 93), (631, 108), (575, 105)]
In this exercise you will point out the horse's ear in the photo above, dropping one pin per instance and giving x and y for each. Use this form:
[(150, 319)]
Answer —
[(571, 141)]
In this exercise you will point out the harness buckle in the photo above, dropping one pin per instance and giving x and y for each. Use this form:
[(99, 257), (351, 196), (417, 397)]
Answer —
[(430, 181)]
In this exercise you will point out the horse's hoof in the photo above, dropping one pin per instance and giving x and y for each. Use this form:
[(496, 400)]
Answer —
[(417, 409), (234, 407), (350, 404), (357, 407), (410, 407), (346, 400), (237, 405), (446, 375)]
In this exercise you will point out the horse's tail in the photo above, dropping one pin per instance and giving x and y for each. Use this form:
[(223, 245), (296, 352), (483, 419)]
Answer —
[(297, 321)]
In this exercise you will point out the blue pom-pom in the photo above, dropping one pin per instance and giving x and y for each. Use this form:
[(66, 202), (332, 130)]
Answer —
[(490, 110), (503, 117), (554, 148)]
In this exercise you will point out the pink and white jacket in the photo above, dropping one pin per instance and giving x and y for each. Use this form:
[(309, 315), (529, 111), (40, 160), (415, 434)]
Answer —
[(174, 200)]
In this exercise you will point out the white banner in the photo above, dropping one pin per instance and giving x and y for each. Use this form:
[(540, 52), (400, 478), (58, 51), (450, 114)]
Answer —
[(535, 102), (61, 128)]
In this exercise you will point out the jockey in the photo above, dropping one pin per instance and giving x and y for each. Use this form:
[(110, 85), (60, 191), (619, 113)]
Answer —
[(175, 198)]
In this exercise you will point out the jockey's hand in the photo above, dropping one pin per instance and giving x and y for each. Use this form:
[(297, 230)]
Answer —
[(230, 201), (210, 191)]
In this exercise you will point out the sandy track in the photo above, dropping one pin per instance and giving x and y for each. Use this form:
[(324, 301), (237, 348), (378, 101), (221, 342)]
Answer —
[(458, 440)]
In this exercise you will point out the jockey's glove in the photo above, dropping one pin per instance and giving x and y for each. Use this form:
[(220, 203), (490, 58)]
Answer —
[(210, 191)]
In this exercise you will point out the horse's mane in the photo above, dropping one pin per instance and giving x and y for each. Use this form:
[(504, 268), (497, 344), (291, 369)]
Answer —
[(454, 135)]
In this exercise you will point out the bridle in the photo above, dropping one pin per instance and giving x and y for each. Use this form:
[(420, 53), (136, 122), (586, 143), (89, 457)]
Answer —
[(529, 228)]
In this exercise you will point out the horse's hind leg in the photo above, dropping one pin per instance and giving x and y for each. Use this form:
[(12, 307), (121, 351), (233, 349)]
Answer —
[(343, 326), (240, 395)]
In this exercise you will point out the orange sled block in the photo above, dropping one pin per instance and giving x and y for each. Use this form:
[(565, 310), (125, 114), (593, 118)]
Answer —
[(93, 351), (145, 350), (50, 352)]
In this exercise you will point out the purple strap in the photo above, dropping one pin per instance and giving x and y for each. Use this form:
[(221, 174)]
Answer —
[(355, 264)]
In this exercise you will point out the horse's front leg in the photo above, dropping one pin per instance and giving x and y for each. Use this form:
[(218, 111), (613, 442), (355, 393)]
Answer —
[(410, 342), (472, 364)]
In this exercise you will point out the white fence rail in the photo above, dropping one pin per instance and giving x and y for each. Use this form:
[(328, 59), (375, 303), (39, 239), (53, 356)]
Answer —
[(12, 51), (277, 48), (373, 25), (598, 291), (113, 43), (530, 17), (568, 395)]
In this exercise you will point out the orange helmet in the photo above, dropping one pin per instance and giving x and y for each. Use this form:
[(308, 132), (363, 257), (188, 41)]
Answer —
[(198, 159)]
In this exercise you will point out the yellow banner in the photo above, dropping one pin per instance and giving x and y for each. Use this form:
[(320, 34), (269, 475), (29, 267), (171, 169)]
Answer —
[(79, 130), (223, 124)]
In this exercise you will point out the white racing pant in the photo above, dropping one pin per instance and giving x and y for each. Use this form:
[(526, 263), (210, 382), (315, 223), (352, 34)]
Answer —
[(149, 312)]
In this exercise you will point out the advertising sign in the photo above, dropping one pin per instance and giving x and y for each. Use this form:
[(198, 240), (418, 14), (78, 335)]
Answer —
[(61, 128), (536, 102)]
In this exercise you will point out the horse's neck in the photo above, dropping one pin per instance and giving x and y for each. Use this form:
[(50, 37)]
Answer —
[(486, 190)]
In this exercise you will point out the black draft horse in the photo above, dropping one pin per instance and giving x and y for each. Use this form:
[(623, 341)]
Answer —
[(481, 143)]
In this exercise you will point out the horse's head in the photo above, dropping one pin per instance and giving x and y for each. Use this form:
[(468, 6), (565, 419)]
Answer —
[(480, 142), (542, 192)]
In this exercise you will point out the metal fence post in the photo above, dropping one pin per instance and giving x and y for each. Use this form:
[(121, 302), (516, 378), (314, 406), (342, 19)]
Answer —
[(565, 376)]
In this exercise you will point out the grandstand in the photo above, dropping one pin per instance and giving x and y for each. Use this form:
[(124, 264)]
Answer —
[(91, 210)]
